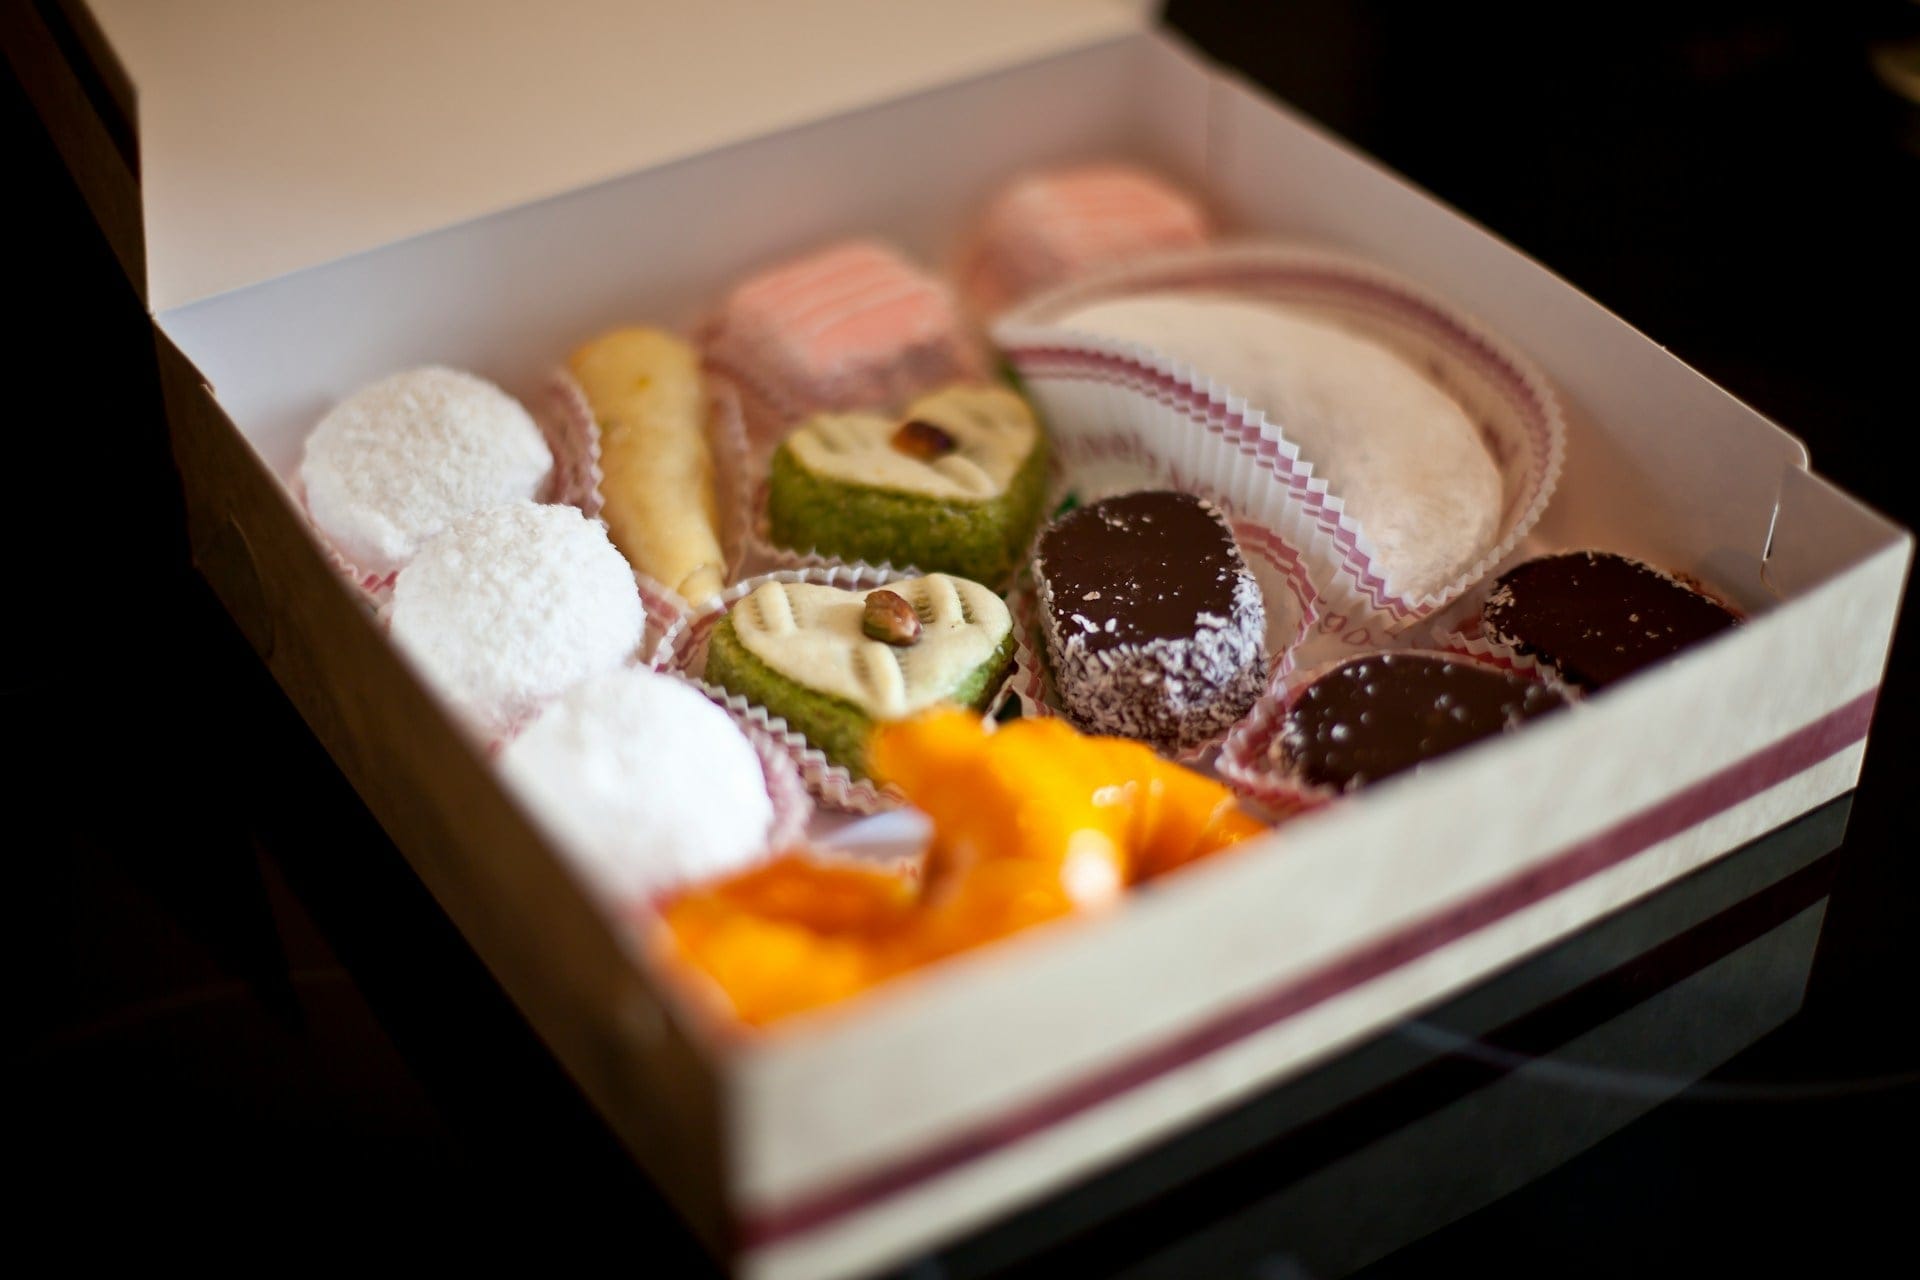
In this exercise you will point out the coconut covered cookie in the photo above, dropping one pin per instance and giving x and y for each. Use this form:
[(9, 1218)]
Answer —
[(1154, 626), (648, 784), (514, 605), (955, 485), (833, 662), (398, 461)]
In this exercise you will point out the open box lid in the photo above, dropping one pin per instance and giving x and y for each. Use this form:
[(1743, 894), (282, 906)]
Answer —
[(276, 137)]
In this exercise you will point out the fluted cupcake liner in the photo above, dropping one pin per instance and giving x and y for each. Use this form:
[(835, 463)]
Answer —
[(579, 480), (1106, 401), (375, 588)]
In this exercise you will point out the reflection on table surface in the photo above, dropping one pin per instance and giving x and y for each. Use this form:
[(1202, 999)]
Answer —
[(1468, 1103)]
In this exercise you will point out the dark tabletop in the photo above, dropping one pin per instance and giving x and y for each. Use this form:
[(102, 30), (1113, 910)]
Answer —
[(236, 1009)]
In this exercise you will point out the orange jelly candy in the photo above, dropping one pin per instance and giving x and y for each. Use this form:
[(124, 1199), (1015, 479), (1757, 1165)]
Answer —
[(1031, 821)]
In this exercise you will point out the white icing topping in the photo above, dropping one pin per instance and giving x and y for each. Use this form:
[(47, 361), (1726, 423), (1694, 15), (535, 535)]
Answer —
[(993, 433), (812, 635), (646, 784), (1398, 450)]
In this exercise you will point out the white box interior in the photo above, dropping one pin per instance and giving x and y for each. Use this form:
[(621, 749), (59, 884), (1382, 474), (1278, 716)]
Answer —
[(1661, 464)]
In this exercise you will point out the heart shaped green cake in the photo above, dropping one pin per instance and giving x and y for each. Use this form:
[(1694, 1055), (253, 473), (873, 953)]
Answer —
[(954, 486), (831, 662)]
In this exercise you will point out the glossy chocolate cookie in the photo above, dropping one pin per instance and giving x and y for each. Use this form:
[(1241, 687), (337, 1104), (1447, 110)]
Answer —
[(1374, 716), (1595, 617)]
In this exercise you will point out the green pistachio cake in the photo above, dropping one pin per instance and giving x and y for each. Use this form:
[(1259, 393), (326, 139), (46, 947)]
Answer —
[(955, 486), (832, 662)]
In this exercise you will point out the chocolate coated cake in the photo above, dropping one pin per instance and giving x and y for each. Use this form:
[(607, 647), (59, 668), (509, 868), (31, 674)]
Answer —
[(1153, 624), (1595, 617), (1377, 715)]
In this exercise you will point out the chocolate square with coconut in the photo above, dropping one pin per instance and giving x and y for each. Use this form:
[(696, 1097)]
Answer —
[(1153, 624)]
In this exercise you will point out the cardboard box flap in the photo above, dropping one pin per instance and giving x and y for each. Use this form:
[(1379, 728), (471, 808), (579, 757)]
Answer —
[(276, 137)]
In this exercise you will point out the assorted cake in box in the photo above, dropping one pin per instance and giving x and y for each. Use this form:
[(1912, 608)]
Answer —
[(1234, 531), (1153, 623)]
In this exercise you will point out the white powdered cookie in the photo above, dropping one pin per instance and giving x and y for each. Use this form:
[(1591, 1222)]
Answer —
[(514, 605), (647, 784), (398, 461)]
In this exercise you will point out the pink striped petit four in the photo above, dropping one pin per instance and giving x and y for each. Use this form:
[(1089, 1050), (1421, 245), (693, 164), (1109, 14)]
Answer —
[(852, 326), (1048, 228)]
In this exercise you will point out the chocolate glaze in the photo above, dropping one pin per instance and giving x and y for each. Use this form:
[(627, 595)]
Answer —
[(1375, 716), (1595, 617), (1139, 567), (1154, 626)]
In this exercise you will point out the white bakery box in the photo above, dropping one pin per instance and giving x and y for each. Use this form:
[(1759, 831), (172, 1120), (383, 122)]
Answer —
[(311, 195)]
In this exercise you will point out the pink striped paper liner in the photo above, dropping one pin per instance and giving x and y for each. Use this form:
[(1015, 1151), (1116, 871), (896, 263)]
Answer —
[(375, 588), (1247, 763), (684, 650), (565, 419), (1085, 382), (1492, 653)]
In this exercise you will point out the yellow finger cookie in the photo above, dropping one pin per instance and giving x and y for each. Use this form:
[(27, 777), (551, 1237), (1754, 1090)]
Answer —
[(648, 400)]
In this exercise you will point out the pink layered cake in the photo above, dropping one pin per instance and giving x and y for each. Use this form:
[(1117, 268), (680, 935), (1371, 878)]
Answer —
[(854, 326), (1048, 228)]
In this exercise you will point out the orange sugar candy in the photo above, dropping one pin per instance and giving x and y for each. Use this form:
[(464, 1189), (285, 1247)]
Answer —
[(1031, 822)]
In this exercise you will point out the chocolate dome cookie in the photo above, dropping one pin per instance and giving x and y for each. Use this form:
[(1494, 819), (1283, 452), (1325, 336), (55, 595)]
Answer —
[(1154, 625), (1595, 617), (1378, 715)]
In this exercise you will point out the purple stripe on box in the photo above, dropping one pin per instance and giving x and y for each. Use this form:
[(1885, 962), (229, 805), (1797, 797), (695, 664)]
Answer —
[(1738, 782)]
